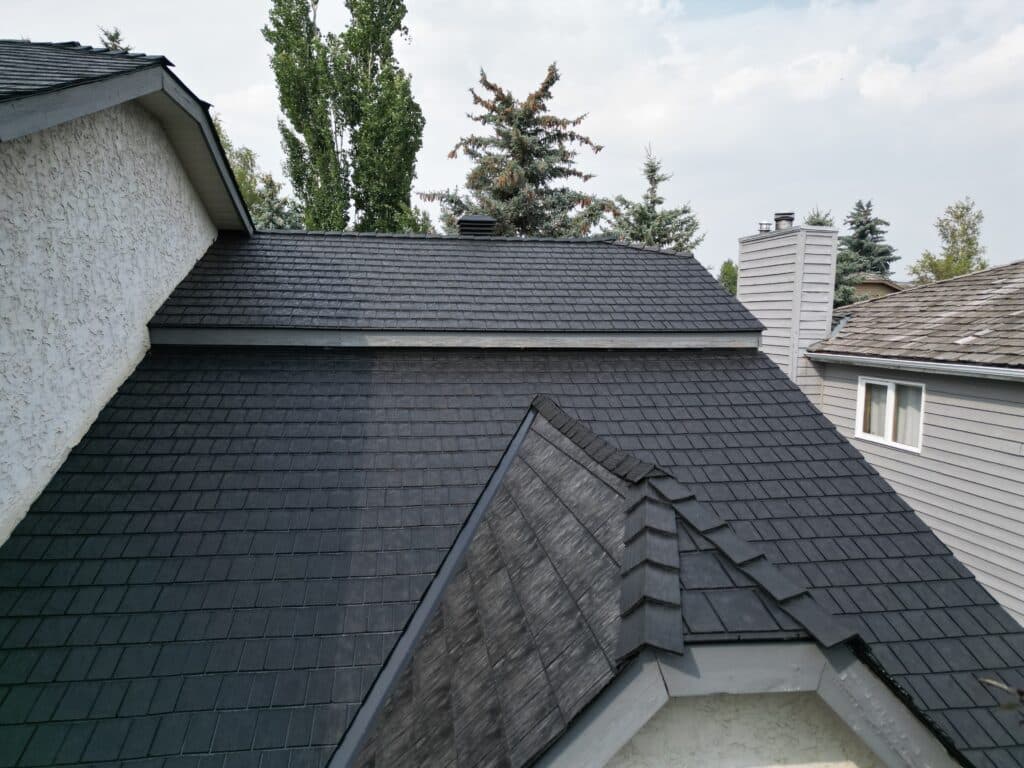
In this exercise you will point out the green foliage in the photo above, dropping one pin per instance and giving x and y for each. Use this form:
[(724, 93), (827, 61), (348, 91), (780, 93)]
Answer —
[(314, 135), (863, 250), (385, 122), (353, 128), (647, 223), (269, 207), (520, 166), (111, 39), (960, 232), (819, 218), (728, 274)]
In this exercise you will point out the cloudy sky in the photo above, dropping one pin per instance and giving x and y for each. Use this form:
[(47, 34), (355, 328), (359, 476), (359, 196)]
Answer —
[(754, 106)]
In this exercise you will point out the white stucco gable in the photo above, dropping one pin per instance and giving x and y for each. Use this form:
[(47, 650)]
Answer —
[(649, 715), (99, 221)]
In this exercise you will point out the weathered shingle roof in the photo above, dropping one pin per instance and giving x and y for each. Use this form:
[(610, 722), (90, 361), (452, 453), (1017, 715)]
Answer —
[(28, 68), (225, 561), (430, 283), (976, 319)]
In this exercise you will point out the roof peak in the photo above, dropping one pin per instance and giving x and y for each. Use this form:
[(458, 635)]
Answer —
[(74, 45)]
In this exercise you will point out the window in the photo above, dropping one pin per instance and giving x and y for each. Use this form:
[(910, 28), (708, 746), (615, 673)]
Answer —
[(890, 412)]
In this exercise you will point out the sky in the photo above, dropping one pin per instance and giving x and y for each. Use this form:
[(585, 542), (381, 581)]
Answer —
[(754, 107)]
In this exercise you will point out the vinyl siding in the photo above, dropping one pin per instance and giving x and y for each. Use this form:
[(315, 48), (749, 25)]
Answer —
[(968, 481)]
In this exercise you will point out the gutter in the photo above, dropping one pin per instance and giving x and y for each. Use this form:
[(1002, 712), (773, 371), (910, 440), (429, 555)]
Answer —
[(922, 366)]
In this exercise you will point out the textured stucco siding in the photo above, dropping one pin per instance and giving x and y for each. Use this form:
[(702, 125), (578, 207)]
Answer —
[(967, 482), (98, 223), (745, 731)]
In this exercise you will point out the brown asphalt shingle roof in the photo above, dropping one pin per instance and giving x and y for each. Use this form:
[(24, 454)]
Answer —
[(975, 319)]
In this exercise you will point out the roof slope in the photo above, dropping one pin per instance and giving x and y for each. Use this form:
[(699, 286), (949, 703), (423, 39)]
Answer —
[(431, 283), (28, 68), (975, 319), (227, 558), (575, 567)]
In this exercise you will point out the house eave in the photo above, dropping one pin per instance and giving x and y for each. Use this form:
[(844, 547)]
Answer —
[(183, 117), (303, 337), (921, 366)]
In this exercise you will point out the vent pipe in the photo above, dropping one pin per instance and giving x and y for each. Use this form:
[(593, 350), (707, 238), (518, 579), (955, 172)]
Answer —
[(476, 225)]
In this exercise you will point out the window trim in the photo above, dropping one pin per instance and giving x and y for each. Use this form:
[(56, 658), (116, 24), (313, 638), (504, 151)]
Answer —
[(890, 407)]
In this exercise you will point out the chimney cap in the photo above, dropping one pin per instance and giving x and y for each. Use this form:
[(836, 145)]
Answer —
[(764, 226), (476, 225), (784, 219)]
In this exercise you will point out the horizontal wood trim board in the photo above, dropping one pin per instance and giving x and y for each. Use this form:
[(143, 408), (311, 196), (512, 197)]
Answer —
[(281, 337)]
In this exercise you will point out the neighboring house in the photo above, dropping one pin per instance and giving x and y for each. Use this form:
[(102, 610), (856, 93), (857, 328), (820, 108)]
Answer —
[(416, 500), (930, 384), (869, 286)]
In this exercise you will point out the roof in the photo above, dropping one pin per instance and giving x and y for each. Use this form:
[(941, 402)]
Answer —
[(432, 283), (973, 319), (583, 558), (43, 85), (32, 68), (875, 279), (224, 563)]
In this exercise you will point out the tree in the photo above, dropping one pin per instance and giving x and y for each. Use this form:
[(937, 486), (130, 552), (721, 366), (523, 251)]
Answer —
[(647, 223), (863, 250), (819, 218), (269, 206), (960, 232), (111, 39), (353, 128), (385, 122), (728, 275), (521, 165)]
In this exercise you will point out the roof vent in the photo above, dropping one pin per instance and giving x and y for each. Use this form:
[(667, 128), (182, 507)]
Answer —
[(764, 226), (784, 220), (476, 225)]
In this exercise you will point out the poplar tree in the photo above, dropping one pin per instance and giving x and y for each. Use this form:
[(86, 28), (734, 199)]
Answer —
[(521, 166), (728, 276), (648, 223), (962, 252), (352, 127)]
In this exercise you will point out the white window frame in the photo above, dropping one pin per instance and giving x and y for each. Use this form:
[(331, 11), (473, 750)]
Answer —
[(890, 407)]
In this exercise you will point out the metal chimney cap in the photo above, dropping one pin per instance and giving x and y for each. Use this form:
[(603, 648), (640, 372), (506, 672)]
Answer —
[(764, 226), (476, 225), (784, 219)]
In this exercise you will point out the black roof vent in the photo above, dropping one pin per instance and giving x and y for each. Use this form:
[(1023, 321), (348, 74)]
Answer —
[(476, 225)]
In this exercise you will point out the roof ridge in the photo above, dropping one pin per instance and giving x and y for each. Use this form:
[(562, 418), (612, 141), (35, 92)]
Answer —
[(795, 599), (617, 461), (856, 306), (74, 45), (436, 236)]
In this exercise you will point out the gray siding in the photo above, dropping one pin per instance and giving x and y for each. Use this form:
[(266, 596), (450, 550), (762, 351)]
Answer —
[(968, 481), (785, 280)]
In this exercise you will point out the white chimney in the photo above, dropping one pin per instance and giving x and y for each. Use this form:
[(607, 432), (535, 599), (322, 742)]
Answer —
[(786, 279)]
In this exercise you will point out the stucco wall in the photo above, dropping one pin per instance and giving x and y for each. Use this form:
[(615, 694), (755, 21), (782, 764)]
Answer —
[(745, 731), (98, 223)]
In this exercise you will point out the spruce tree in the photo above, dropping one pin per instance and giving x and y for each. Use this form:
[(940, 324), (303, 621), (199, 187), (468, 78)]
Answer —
[(819, 218), (864, 250), (112, 39), (647, 223), (962, 252), (521, 165)]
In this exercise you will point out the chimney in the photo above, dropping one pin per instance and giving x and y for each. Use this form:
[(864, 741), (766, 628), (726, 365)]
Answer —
[(784, 220), (786, 280), (476, 225)]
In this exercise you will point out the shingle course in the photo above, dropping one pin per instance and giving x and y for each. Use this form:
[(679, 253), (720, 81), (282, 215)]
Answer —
[(448, 284)]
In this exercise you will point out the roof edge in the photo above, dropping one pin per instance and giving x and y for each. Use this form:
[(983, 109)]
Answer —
[(918, 365)]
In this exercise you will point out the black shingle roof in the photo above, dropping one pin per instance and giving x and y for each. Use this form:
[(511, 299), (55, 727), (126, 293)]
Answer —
[(29, 68), (225, 560), (430, 283)]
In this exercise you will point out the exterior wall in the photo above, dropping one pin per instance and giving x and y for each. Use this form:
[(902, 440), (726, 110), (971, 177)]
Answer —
[(967, 482), (745, 731), (786, 280), (864, 291), (98, 223)]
